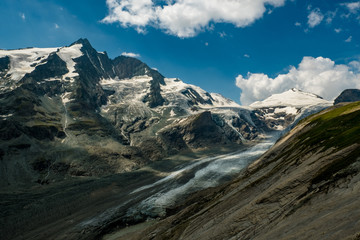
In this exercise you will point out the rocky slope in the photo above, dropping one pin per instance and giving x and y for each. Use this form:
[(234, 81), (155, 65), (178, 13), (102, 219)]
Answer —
[(304, 187)]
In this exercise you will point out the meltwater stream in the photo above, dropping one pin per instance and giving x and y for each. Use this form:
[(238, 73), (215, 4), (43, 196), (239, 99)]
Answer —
[(204, 173)]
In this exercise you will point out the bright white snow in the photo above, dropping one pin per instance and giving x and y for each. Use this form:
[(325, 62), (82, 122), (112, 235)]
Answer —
[(68, 54), (287, 110), (173, 88), (291, 98), (128, 90), (23, 61), (6, 116), (221, 101)]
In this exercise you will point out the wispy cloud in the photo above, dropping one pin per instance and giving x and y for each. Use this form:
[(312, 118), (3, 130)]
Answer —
[(317, 75), (315, 17), (222, 34), (129, 54), (56, 26), (297, 24), (337, 30), (186, 18), (349, 39), (353, 7), (330, 15), (246, 55)]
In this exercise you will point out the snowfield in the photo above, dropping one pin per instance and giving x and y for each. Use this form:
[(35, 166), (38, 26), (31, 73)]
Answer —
[(23, 61), (68, 54), (291, 98)]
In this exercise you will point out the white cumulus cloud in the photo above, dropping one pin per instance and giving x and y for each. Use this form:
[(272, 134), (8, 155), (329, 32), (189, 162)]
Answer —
[(316, 75), (186, 18), (315, 18), (129, 54)]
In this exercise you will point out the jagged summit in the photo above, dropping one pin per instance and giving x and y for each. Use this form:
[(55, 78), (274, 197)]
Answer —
[(84, 41)]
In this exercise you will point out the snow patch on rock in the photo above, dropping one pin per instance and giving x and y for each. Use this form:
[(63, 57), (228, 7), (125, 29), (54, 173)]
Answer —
[(68, 54), (23, 61)]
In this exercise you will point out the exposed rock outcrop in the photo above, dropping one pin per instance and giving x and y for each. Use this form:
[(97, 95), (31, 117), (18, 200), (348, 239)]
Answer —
[(197, 131)]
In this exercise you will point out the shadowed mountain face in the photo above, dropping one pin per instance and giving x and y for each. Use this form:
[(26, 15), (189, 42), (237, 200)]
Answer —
[(348, 95), (304, 187)]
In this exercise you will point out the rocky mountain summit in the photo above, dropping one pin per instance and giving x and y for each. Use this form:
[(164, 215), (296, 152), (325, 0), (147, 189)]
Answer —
[(73, 111)]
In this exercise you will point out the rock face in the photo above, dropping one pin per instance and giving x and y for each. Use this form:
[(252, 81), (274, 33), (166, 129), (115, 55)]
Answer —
[(75, 107), (348, 95), (198, 131), (304, 187)]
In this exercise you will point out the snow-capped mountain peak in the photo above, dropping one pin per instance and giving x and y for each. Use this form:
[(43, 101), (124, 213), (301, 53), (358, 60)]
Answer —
[(284, 109), (291, 98)]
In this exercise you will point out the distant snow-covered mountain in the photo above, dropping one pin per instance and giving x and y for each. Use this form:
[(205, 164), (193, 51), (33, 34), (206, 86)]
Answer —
[(285, 109), (292, 98)]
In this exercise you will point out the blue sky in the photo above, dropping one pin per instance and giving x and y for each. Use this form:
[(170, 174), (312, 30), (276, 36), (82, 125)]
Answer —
[(233, 47)]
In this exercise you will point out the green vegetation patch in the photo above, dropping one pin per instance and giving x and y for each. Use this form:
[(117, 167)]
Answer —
[(337, 128)]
